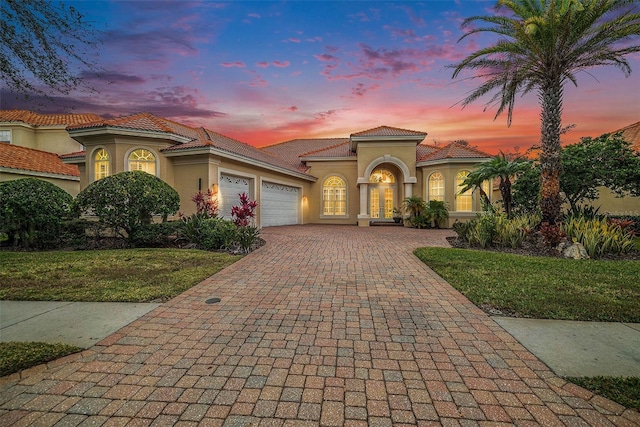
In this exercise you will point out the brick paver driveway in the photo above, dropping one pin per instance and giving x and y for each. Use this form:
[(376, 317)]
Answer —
[(322, 326)]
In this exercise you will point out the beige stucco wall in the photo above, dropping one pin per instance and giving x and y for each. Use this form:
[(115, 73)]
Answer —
[(346, 169), (69, 185), (609, 203), (53, 139)]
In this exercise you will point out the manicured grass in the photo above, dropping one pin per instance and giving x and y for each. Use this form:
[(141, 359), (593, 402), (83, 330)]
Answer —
[(131, 275), (636, 243), (625, 391), (541, 287), (15, 356)]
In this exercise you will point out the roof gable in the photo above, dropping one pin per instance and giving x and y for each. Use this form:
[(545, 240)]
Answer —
[(382, 131), (28, 159), (455, 150)]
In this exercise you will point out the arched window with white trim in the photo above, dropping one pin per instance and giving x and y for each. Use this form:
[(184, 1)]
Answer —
[(334, 196), (101, 164), (464, 201), (142, 160), (436, 187)]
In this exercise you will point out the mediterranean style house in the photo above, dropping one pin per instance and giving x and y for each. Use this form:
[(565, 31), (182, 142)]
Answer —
[(358, 179)]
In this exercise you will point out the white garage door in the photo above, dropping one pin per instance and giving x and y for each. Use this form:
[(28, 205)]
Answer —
[(229, 187), (279, 205)]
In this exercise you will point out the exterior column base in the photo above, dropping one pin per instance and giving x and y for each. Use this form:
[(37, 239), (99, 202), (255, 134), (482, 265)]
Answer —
[(364, 220)]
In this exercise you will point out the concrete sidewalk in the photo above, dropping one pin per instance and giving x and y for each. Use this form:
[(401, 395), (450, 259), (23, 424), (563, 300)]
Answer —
[(82, 324)]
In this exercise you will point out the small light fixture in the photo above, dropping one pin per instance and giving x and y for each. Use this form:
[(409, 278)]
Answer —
[(214, 189), (304, 199)]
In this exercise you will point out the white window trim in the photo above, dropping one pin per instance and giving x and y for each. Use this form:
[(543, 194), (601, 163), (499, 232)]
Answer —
[(155, 154), (92, 160), (444, 186), (10, 141), (455, 183), (346, 197)]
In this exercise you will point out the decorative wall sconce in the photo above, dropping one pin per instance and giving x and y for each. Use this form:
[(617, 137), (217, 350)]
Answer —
[(214, 189)]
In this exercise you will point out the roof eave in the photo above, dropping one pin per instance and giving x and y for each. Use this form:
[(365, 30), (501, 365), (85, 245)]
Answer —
[(40, 174), (237, 157), (111, 130), (453, 160), (326, 159)]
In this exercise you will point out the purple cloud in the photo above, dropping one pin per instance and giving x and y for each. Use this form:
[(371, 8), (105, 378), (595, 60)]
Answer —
[(281, 64), (262, 64), (238, 64)]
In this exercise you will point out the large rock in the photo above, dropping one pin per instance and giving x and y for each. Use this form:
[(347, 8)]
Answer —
[(574, 250)]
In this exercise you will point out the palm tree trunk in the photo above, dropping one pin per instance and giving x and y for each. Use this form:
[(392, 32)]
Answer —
[(550, 162)]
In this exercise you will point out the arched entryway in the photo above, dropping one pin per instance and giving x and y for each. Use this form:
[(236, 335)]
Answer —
[(383, 194)]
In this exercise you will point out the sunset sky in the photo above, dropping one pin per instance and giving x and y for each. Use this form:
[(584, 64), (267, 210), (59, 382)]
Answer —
[(265, 72)]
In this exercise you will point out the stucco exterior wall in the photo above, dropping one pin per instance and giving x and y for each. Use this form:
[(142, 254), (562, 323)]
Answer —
[(346, 169), (613, 205), (51, 139)]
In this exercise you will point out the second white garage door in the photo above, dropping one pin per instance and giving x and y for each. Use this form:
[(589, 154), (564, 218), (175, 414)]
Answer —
[(280, 204)]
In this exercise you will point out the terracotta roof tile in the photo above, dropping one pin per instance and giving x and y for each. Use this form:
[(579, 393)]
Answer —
[(144, 122), (388, 131), (423, 150), (291, 150), (17, 157), (339, 150), (36, 119), (632, 134), (454, 150)]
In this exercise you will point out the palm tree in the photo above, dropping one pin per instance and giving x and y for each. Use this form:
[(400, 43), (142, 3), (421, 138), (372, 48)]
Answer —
[(498, 167), (414, 206), (543, 44)]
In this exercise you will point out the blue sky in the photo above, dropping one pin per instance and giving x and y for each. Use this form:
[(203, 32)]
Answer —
[(265, 72)]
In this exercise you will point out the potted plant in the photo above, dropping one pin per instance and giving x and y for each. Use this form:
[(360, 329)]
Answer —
[(397, 215)]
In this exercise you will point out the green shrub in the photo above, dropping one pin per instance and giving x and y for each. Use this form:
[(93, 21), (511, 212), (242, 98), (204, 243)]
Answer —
[(512, 232), (31, 212), (484, 231), (632, 221), (246, 236), (157, 235), (126, 201), (598, 236), (439, 212), (217, 234), (420, 221), (463, 228)]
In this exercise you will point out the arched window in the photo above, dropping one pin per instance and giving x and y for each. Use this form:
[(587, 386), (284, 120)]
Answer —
[(436, 186), (101, 164), (486, 187), (464, 201), (334, 196), (142, 160), (382, 176)]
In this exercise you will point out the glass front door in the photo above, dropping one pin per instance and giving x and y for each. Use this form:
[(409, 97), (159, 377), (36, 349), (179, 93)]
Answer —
[(381, 198)]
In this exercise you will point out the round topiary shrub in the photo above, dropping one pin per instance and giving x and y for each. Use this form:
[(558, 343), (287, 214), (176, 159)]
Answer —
[(127, 201), (32, 211)]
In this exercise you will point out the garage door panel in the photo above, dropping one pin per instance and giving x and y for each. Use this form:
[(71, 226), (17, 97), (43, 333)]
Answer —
[(280, 205), (229, 187)]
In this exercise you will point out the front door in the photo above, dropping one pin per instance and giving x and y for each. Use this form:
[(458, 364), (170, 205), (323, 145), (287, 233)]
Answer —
[(382, 194), (381, 198)]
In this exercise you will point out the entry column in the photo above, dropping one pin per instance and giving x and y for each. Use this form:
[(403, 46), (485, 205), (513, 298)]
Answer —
[(363, 216)]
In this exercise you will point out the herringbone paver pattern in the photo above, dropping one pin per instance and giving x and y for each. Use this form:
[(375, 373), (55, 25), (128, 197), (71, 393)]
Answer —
[(323, 326)]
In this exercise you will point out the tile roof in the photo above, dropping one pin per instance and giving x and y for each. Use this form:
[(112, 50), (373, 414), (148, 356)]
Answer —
[(455, 150), (388, 131), (36, 119), (632, 134), (339, 150), (144, 122), (290, 151), (28, 159), (423, 150)]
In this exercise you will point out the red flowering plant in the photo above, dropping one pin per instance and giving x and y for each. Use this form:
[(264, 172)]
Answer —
[(243, 213), (206, 204)]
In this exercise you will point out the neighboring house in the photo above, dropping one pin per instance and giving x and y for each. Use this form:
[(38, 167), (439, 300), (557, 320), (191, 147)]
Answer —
[(607, 200), (353, 180), (30, 144)]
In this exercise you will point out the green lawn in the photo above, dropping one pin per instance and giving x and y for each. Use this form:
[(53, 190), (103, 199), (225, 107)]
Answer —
[(625, 391), (541, 287), (15, 356), (131, 275)]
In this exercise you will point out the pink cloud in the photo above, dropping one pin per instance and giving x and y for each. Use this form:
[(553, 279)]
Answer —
[(294, 40), (238, 64), (262, 64), (325, 57), (281, 64)]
